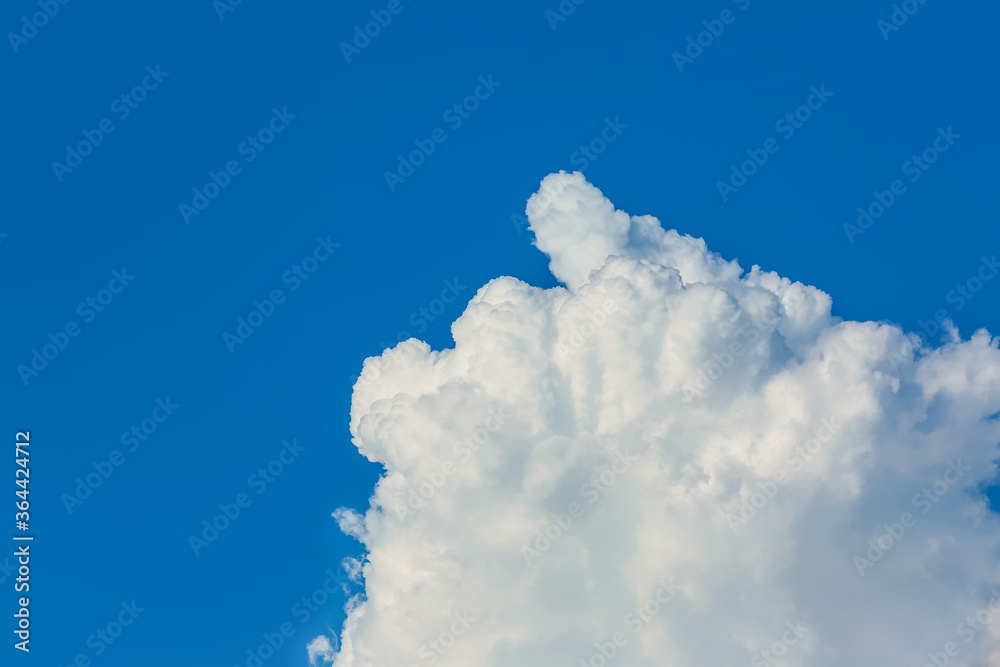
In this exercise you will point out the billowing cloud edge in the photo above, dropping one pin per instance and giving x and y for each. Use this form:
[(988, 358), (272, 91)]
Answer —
[(669, 432)]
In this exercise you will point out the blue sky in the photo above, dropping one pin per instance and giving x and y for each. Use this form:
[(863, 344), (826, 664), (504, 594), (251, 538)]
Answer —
[(448, 227)]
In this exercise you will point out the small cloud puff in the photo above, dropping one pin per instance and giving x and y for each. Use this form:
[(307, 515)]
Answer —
[(321, 651)]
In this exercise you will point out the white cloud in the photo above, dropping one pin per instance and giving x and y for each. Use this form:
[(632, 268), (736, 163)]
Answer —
[(321, 651), (691, 462)]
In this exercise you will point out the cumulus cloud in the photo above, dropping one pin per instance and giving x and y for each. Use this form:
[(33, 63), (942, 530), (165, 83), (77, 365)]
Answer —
[(671, 460)]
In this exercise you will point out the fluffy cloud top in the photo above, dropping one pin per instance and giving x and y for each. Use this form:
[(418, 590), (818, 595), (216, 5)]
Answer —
[(673, 462)]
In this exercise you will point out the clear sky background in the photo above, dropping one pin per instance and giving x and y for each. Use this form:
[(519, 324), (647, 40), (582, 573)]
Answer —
[(323, 175)]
